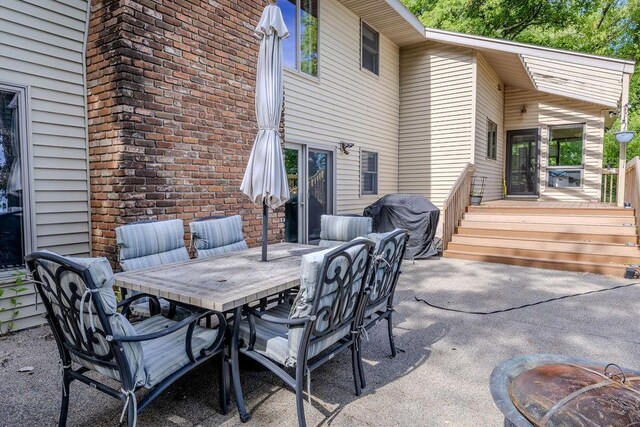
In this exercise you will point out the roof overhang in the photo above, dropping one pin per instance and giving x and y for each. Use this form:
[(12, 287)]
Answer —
[(589, 78), (391, 18)]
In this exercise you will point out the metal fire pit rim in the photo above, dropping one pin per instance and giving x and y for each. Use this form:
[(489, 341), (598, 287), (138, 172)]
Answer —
[(508, 369)]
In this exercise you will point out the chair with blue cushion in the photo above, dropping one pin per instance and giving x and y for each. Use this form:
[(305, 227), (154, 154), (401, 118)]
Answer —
[(93, 335), (388, 255), (336, 230), (217, 235), (147, 244), (324, 319)]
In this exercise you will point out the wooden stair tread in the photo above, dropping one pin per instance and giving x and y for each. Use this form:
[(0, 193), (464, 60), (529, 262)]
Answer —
[(556, 228)]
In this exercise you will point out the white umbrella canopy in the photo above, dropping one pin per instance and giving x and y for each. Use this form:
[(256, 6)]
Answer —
[(265, 180)]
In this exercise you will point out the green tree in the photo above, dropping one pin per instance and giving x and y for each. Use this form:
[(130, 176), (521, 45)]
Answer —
[(602, 27)]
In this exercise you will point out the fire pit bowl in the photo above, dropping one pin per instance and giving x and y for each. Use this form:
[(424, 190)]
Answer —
[(555, 390)]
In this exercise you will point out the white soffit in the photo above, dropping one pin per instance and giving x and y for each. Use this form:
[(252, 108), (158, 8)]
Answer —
[(591, 84), (390, 18)]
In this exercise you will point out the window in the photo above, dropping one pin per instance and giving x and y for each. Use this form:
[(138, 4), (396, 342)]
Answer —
[(12, 185), (370, 41), (369, 173), (492, 140), (565, 156), (300, 49)]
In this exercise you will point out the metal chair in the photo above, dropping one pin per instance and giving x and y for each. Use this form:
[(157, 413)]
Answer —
[(91, 332), (146, 244), (324, 320), (389, 252), (336, 230), (217, 235)]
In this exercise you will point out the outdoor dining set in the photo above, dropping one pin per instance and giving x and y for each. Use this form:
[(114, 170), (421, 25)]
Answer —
[(290, 314)]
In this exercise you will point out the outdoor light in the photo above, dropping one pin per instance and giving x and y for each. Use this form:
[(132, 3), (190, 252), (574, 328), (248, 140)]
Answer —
[(344, 146), (624, 136)]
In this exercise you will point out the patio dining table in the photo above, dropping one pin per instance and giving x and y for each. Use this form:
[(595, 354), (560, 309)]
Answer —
[(225, 283)]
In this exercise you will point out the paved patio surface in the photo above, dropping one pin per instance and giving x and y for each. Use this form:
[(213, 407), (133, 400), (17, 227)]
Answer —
[(441, 378)]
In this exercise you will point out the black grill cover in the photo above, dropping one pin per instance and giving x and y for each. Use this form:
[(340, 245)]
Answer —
[(409, 211)]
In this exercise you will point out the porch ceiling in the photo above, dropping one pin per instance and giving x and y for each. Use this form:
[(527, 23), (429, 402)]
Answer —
[(390, 18)]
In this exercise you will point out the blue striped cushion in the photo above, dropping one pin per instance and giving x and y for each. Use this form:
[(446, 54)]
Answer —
[(163, 356), (217, 236), (334, 229), (151, 244)]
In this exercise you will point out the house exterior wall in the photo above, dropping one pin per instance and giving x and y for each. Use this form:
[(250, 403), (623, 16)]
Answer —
[(544, 110), (171, 113), (349, 104), (489, 106), (437, 118), (42, 48)]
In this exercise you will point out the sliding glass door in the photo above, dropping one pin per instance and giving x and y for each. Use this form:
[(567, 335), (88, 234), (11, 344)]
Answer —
[(310, 175)]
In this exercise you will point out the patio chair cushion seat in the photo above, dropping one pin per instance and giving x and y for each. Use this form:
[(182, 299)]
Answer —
[(217, 236), (272, 340), (335, 230), (372, 310), (150, 244), (164, 356)]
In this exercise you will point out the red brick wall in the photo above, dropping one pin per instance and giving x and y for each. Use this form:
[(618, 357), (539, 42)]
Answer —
[(171, 113)]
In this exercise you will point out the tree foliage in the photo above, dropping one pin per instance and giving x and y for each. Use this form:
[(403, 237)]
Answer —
[(601, 27)]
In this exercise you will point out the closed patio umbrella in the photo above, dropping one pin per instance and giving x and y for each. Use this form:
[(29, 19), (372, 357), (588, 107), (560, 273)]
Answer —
[(265, 180)]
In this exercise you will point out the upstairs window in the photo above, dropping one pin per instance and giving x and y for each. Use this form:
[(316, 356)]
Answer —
[(369, 173), (492, 140), (566, 156), (370, 42), (300, 49)]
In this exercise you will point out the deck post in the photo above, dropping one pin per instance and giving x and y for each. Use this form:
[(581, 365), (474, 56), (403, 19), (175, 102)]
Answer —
[(622, 159)]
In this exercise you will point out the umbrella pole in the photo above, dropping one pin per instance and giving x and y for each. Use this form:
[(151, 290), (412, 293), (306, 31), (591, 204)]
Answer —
[(265, 220)]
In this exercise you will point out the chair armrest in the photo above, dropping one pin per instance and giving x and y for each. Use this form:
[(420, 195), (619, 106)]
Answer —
[(279, 321), (126, 303), (191, 320)]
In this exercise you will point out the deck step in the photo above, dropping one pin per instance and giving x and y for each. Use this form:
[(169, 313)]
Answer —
[(552, 228), (539, 254), (548, 235), (577, 266), (549, 219), (526, 210)]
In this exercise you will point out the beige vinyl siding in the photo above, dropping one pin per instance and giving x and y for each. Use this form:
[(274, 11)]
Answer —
[(544, 110), (436, 118), (349, 104), (42, 47), (489, 105)]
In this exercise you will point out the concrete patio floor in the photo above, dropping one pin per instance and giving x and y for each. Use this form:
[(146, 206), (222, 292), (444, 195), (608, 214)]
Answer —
[(441, 378)]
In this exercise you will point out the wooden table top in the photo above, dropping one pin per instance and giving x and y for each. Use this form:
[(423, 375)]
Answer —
[(223, 282)]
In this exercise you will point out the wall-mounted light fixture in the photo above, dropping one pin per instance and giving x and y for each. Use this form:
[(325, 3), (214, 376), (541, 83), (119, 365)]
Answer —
[(344, 146), (499, 87), (523, 110)]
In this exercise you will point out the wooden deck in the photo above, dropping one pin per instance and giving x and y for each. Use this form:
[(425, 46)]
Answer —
[(522, 203)]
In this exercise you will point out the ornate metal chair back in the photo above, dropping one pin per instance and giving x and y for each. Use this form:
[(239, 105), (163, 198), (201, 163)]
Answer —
[(388, 257), (77, 298), (341, 285)]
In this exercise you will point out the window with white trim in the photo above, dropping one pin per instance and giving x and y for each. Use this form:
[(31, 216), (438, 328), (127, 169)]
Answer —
[(565, 156), (300, 49), (492, 140), (13, 188), (370, 42), (369, 168)]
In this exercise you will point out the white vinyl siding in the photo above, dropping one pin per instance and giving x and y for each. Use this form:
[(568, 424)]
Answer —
[(42, 47), (489, 106), (436, 118), (545, 110), (346, 104)]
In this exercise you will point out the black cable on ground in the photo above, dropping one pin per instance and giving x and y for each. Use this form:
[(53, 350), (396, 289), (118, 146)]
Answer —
[(525, 305)]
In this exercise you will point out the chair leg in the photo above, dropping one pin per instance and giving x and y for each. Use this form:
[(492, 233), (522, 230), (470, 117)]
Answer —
[(363, 382), (355, 365), (224, 385), (299, 394), (391, 339), (131, 414), (64, 407)]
